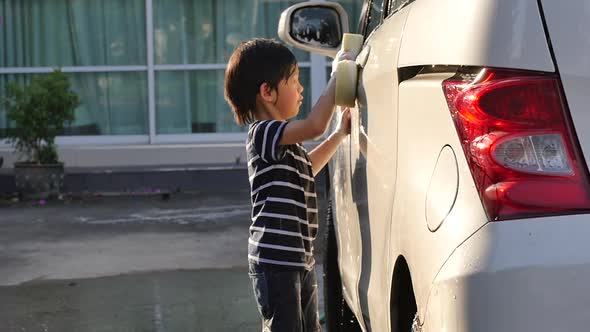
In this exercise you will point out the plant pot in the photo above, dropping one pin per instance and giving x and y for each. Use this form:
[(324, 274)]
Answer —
[(38, 181)]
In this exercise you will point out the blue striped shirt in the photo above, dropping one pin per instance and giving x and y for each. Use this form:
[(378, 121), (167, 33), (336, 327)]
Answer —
[(284, 201)]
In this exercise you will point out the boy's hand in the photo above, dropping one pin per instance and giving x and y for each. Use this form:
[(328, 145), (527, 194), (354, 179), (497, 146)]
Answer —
[(343, 128), (323, 152), (340, 56)]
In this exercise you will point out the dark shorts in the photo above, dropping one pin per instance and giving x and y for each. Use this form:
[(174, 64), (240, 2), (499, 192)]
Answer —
[(287, 298)]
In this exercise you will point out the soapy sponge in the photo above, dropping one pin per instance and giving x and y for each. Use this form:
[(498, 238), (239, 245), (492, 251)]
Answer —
[(347, 71)]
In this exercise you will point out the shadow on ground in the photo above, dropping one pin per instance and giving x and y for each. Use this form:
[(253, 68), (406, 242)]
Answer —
[(204, 300)]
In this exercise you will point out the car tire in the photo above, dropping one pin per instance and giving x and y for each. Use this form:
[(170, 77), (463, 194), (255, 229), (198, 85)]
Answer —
[(339, 317)]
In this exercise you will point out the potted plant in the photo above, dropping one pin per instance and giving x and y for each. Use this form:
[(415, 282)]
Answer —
[(38, 112)]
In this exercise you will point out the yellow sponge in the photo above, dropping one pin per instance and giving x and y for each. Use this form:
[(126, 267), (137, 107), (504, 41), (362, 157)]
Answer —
[(347, 71), (352, 43)]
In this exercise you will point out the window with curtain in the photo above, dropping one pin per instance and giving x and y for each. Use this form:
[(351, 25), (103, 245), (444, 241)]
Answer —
[(113, 103), (193, 102), (206, 32), (86, 33), (193, 40)]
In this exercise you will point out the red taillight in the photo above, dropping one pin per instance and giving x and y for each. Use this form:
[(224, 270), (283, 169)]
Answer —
[(519, 143)]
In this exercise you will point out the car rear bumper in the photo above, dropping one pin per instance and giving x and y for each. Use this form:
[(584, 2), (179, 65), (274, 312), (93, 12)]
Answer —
[(521, 275)]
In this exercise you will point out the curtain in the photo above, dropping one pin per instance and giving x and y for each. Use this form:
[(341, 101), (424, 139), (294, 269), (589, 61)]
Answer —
[(206, 32), (57, 33)]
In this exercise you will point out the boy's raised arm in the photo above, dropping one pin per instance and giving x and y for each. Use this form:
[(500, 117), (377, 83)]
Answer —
[(317, 120)]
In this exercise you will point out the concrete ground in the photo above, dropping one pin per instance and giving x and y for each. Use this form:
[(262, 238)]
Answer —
[(128, 263)]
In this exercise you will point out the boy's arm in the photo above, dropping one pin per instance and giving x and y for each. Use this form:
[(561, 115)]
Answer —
[(323, 152), (317, 120)]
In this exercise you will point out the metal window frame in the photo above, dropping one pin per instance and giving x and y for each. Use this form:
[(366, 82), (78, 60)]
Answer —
[(149, 28), (80, 69), (316, 64)]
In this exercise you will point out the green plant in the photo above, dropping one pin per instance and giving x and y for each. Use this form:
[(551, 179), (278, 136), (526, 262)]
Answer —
[(39, 112)]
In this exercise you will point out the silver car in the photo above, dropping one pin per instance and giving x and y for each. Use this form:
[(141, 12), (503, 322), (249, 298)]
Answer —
[(459, 202)]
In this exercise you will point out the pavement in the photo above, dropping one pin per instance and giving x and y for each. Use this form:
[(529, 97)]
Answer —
[(157, 262)]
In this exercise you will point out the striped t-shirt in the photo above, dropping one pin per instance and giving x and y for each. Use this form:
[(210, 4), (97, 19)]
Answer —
[(284, 202)]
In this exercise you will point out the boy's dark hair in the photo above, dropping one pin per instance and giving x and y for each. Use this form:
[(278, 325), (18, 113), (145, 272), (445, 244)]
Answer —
[(255, 62)]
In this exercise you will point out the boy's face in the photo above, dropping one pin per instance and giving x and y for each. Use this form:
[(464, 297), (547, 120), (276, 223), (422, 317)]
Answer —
[(290, 96)]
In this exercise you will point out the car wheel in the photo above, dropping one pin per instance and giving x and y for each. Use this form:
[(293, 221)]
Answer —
[(339, 317)]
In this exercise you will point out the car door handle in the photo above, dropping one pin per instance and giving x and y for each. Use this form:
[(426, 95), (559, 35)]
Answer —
[(363, 56)]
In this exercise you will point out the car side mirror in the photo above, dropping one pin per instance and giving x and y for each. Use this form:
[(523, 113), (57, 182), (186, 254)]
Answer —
[(314, 26)]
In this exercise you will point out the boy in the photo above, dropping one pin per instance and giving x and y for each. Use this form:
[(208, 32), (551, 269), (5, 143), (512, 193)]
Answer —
[(262, 87)]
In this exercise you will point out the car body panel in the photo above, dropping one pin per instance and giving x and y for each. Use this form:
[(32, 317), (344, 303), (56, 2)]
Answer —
[(374, 163), (490, 33), (402, 187), (520, 275), (346, 226), (425, 124), (568, 23)]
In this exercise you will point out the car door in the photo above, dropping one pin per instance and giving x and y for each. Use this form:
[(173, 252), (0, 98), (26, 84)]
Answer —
[(346, 212), (373, 155)]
